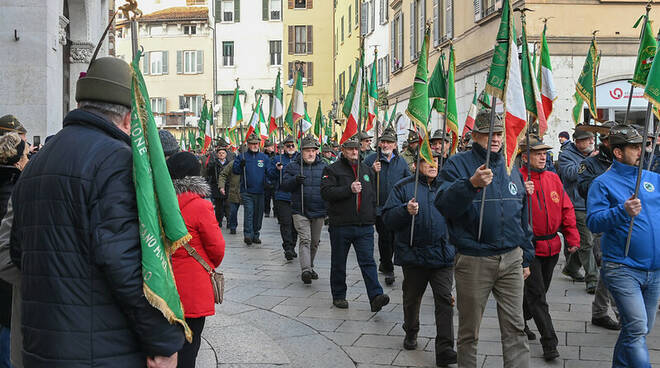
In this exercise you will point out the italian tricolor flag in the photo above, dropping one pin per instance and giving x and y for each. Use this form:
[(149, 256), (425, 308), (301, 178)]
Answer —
[(472, 115), (277, 108), (373, 94), (504, 82), (205, 121), (546, 83), (254, 120), (352, 106), (236, 112), (451, 111), (533, 103)]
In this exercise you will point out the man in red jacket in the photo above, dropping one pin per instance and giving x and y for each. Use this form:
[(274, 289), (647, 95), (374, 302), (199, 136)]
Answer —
[(552, 210)]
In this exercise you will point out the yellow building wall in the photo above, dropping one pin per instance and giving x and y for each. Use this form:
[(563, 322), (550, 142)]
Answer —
[(319, 16), (347, 50)]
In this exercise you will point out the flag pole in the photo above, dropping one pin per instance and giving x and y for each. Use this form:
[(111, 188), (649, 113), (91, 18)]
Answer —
[(493, 104), (378, 150), (649, 111), (419, 149), (240, 147), (441, 160), (359, 127), (655, 142), (632, 86)]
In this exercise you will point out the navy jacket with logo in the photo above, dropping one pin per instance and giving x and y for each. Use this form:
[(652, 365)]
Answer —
[(258, 168), (505, 224)]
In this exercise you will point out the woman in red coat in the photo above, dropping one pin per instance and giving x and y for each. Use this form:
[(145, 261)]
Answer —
[(552, 211), (192, 280)]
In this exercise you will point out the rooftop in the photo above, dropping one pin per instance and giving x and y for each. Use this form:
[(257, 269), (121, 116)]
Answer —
[(177, 13)]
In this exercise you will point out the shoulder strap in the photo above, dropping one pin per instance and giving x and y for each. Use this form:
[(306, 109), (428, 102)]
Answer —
[(193, 253)]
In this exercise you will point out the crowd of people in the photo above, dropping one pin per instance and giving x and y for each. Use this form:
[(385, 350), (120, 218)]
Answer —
[(71, 291)]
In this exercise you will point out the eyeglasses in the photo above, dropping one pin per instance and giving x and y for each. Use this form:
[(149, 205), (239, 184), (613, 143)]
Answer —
[(289, 145)]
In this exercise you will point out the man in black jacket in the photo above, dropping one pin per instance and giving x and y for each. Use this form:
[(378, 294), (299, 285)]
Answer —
[(351, 196), (75, 237)]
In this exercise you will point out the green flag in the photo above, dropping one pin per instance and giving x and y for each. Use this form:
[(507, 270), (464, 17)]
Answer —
[(418, 105), (318, 122), (162, 229), (647, 49), (438, 85), (393, 115), (576, 112), (484, 100), (652, 90), (586, 85), (192, 142), (288, 118), (203, 119), (451, 114)]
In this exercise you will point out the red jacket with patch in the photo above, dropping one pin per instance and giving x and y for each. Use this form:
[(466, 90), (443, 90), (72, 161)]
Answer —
[(552, 211)]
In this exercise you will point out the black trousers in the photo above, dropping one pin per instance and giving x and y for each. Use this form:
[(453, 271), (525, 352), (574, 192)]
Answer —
[(385, 245), (188, 353), (269, 194), (287, 230), (535, 305), (415, 280), (221, 210)]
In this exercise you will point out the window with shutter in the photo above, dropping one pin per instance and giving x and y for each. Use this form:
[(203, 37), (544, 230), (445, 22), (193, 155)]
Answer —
[(386, 76), (200, 61), (227, 105), (436, 22), (300, 39), (350, 17), (310, 73), (421, 23), (357, 11), (477, 10), (381, 11), (179, 62), (310, 40), (145, 64), (264, 9), (372, 9), (275, 9), (393, 38), (449, 19), (228, 9), (227, 53), (342, 29), (237, 10), (401, 58), (300, 4), (292, 40), (364, 19), (156, 63), (166, 68), (290, 4), (275, 52), (413, 31), (310, 4), (182, 102)]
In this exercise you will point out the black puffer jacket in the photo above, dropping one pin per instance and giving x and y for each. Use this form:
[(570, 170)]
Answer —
[(336, 191), (314, 204), (8, 176), (75, 237)]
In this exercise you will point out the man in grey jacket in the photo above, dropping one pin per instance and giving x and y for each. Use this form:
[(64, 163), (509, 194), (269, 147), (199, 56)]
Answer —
[(569, 161)]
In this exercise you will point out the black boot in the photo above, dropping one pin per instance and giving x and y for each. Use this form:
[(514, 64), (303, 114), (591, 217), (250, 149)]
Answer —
[(445, 358), (410, 342)]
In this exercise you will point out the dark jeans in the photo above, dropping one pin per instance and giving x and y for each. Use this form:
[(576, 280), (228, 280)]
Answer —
[(584, 256), (253, 214), (269, 194), (287, 230), (4, 347), (233, 215), (362, 239), (535, 304), (415, 280), (188, 354), (385, 245)]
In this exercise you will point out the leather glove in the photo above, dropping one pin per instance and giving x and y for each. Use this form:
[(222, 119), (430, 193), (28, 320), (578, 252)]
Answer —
[(300, 179), (242, 164)]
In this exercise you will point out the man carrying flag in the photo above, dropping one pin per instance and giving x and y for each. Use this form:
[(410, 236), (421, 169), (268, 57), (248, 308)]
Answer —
[(352, 107), (91, 224), (503, 250)]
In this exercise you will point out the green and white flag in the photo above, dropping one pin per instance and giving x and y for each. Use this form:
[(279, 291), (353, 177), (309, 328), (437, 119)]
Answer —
[(586, 85), (418, 106), (647, 48), (318, 122), (438, 85), (162, 229), (451, 113)]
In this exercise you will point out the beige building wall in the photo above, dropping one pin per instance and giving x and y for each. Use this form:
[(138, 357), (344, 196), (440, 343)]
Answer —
[(347, 29), (169, 36), (569, 32), (318, 15)]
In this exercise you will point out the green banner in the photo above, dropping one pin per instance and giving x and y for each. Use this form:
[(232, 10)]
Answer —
[(647, 49), (586, 85), (499, 65), (162, 229)]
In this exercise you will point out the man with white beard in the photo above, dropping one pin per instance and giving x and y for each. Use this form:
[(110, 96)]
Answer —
[(390, 167)]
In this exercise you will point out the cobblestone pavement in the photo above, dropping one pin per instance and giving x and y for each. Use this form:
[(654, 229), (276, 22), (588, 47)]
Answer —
[(271, 319)]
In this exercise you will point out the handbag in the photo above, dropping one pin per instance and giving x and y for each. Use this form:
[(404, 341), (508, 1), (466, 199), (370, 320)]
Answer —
[(217, 278)]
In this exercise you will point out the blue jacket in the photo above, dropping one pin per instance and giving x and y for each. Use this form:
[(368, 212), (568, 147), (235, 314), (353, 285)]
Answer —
[(390, 173), (568, 167), (314, 204), (430, 247), (605, 214), (282, 195), (505, 224), (258, 168)]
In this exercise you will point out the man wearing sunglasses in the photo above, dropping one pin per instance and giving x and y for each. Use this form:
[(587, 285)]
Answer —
[(630, 272), (283, 199)]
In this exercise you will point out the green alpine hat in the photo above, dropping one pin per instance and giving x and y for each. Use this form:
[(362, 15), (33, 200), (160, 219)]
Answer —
[(268, 143), (108, 79), (412, 136), (624, 134), (253, 138), (482, 122), (9, 123), (581, 132), (535, 144), (288, 139), (352, 142), (364, 135), (310, 142), (389, 135), (437, 135)]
